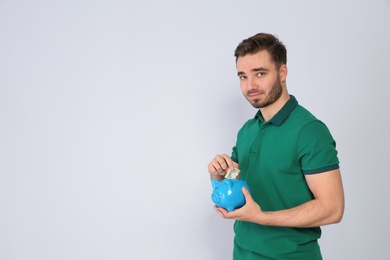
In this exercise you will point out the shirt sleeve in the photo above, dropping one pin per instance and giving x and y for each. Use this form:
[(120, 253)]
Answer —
[(317, 149)]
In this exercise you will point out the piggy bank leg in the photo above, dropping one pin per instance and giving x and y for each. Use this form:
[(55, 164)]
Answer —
[(230, 209)]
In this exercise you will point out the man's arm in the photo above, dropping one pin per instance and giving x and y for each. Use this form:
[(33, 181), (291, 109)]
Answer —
[(327, 207)]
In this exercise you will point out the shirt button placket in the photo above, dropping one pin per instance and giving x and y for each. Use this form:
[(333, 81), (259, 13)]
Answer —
[(256, 148)]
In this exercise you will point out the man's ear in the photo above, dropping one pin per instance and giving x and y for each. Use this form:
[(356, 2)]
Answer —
[(283, 72)]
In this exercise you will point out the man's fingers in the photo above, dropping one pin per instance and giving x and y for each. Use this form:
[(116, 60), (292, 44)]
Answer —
[(220, 165), (229, 161), (247, 195), (221, 162), (221, 211), (215, 168), (225, 161)]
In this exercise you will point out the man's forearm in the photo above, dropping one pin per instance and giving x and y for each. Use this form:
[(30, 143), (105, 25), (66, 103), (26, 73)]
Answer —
[(310, 214)]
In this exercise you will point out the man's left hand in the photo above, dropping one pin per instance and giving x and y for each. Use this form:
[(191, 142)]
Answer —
[(250, 212)]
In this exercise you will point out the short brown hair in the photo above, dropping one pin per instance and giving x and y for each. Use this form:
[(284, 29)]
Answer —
[(263, 41)]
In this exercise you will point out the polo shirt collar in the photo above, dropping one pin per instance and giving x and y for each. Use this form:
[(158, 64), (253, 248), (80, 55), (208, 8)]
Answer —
[(282, 114)]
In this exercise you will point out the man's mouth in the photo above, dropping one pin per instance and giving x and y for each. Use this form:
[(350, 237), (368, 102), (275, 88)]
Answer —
[(254, 94)]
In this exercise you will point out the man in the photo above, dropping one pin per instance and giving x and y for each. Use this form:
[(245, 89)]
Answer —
[(288, 158)]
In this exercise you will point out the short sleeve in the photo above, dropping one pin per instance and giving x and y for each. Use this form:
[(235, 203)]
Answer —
[(317, 149)]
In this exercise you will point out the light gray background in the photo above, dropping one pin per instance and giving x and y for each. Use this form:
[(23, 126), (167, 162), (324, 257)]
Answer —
[(111, 110)]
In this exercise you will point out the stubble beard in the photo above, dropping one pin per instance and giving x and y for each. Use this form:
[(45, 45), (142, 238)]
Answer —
[(270, 98)]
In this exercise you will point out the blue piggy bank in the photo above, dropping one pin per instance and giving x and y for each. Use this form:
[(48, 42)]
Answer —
[(228, 194)]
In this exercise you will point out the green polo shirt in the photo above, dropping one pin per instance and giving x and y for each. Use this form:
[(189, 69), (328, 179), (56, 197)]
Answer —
[(274, 157)]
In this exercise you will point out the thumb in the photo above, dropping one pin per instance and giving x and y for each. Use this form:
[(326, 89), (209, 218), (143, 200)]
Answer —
[(246, 193)]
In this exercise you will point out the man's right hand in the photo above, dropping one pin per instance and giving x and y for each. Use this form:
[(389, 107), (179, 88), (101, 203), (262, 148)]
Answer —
[(220, 165)]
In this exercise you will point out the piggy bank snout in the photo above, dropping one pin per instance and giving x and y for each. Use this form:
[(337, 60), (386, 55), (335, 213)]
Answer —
[(215, 198)]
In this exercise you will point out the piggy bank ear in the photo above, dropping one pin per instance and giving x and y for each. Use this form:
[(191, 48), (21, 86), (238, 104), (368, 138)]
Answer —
[(214, 182), (229, 183)]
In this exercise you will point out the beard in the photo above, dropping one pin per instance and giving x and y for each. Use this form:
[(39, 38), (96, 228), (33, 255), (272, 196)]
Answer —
[(267, 99)]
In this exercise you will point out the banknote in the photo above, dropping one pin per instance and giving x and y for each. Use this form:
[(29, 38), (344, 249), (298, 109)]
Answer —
[(232, 174)]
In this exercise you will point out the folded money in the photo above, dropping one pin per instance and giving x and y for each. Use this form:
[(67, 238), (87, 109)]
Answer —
[(232, 174)]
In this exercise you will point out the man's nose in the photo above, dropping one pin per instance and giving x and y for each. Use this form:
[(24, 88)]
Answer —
[(251, 84)]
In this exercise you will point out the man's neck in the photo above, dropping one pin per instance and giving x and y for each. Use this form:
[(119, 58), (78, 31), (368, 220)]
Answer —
[(269, 111)]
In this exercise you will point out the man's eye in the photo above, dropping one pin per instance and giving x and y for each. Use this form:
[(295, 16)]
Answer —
[(242, 77), (260, 74)]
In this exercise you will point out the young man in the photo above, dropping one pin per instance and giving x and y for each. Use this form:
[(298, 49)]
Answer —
[(288, 158)]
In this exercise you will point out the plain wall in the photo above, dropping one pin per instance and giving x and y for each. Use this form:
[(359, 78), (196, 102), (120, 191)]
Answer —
[(110, 112)]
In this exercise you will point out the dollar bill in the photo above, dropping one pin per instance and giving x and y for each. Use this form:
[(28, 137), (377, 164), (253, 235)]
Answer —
[(232, 174)]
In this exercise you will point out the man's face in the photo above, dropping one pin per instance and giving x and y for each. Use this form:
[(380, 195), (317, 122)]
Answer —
[(259, 79)]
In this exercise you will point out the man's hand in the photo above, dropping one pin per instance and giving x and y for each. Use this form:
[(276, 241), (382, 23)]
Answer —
[(220, 165), (250, 212)]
